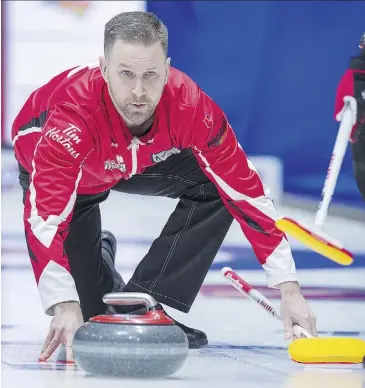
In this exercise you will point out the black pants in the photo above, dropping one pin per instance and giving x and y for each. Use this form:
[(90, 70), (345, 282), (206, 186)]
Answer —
[(175, 267), (358, 148), (358, 157)]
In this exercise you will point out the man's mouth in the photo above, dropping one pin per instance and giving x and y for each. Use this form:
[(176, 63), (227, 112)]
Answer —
[(137, 105)]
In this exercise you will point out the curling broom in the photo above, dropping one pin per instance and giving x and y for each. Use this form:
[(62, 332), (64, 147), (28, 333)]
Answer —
[(315, 238), (306, 349)]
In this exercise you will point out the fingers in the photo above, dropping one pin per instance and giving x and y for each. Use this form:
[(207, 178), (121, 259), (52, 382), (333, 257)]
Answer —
[(308, 322), (305, 324), (68, 317), (295, 310), (68, 345), (69, 354), (288, 322), (288, 328), (300, 332), (52, 346), (47, 340), (313, 323)]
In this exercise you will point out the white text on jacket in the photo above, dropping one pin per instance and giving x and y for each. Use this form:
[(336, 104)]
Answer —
[(67, 137)]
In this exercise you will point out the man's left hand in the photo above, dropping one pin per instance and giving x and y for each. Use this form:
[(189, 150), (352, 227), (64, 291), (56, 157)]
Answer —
[(295, 310)]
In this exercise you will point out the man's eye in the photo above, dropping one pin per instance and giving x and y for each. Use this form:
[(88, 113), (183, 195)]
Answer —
[(149, 74), (127, 73)]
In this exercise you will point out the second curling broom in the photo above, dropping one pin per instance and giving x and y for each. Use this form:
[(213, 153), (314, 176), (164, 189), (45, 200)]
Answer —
[(306, 349)]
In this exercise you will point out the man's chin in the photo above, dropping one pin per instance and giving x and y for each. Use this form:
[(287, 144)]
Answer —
[(137, 118)]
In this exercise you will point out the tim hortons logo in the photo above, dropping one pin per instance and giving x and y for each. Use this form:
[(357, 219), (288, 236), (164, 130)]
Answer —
[(67, 138), (235, 282), (118, 163)]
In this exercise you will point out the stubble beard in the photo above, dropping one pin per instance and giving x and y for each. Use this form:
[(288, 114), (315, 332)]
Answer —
[(134, 117), (130, 116)]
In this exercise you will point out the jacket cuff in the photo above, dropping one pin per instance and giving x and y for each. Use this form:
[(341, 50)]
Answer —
[(56, 285)]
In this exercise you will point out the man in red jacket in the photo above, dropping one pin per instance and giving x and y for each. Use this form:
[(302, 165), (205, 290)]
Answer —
[(352, 86), (134, 124)]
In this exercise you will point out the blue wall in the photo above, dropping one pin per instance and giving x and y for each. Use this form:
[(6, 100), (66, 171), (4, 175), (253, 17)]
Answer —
[(273, 67)]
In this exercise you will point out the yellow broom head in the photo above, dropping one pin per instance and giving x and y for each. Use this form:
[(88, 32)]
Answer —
[(331, 350), (314, 241)]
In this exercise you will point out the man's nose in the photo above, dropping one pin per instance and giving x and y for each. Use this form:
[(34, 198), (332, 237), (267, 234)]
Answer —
[(138, 89)]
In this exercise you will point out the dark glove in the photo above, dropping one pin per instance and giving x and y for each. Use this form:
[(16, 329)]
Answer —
[(352, 87)]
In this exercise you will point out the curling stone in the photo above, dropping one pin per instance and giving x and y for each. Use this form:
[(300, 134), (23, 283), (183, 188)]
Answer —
[(148, 345)]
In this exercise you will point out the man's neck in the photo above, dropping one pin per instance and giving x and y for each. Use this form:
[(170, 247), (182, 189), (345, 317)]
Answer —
[(140, 130)]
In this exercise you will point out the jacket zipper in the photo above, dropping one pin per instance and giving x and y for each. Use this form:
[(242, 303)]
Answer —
[(134, 146)]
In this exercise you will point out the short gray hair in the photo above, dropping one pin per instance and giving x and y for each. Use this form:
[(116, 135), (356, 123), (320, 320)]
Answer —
[(135, 27)]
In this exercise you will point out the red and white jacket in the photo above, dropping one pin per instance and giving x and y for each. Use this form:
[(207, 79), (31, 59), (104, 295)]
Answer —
[(71, 140)]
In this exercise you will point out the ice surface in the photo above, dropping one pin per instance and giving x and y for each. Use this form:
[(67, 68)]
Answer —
[(246, 344)]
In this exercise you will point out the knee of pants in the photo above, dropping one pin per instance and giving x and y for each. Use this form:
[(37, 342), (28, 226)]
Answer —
[(203, 192)]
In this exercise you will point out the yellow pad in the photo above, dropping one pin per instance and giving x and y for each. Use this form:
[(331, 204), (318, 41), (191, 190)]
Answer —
[(327, 350), (315, 242)]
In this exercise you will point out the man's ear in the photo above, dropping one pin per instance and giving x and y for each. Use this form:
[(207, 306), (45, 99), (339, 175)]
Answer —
[(167, 64), (103, 68)]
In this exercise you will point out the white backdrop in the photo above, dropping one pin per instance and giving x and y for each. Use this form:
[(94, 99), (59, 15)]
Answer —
[(44, 38)]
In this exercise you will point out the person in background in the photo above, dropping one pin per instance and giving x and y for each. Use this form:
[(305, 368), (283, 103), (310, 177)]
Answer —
[(352, 85)]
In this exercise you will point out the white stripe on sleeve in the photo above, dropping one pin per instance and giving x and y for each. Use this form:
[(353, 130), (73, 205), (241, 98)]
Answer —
[(56, 285)]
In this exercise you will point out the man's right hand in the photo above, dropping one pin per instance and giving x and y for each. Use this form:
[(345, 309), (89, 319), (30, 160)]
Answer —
[(66, 321)]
